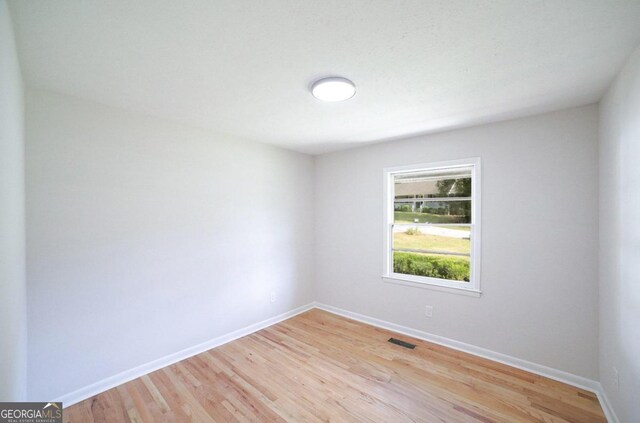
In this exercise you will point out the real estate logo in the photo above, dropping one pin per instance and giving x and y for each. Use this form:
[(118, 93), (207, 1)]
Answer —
[(30, 412)]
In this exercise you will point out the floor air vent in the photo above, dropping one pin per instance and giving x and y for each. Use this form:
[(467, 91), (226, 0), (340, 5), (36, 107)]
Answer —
[(402, 343)]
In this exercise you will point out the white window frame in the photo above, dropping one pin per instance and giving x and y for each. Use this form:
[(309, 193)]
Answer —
[(471, 288)]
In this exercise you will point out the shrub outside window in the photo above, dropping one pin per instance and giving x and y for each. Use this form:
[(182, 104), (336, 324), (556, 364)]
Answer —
[(432, 225)]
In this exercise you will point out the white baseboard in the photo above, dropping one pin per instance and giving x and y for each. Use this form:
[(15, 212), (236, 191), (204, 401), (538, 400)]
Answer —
[(551, 373), (606, 406), (128, 375)]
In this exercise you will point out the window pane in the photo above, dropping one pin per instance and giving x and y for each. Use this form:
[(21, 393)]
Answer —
[(433, 197), (455, 240), (424, 211), (433, 251), (432, 265), (455, 183)]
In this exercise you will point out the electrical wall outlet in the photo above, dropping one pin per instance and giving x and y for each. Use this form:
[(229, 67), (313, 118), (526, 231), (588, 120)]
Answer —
[(273, 297), (616, 379), (428, 311)]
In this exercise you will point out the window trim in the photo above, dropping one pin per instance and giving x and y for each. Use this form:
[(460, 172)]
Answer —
[(472, 287)]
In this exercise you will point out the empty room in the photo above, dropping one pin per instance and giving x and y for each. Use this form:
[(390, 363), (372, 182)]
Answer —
[(319, 211)]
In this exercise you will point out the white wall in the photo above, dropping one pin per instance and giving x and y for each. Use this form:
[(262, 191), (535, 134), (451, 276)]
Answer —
[(13, 321), (620, 241), (539, 238), (146, 237)]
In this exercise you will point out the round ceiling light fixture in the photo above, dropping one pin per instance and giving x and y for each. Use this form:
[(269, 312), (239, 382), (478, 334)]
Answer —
[(333, 88)]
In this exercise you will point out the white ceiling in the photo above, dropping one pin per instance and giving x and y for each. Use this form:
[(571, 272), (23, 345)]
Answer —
[(243, 67)]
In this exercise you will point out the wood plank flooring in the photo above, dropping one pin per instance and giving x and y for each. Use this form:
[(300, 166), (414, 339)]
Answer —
[(321, 367)]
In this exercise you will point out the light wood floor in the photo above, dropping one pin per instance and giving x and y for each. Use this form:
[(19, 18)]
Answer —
[(321, 367)]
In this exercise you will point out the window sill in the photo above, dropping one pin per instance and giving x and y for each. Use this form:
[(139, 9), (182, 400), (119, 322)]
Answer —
[(423, 285)]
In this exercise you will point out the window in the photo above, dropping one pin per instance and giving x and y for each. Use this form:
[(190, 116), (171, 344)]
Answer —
[(432, 225)]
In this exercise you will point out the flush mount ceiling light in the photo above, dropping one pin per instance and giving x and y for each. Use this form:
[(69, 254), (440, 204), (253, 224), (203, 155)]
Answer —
[(333, 89)]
